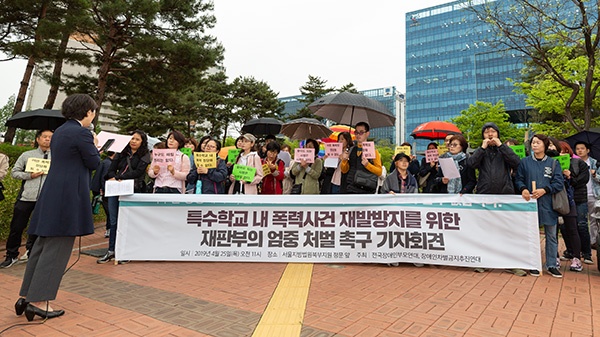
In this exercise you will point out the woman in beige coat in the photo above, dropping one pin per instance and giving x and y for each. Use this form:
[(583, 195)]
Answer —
[(308, 174)]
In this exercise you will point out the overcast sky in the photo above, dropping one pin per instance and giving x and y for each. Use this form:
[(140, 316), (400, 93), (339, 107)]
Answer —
[(282, 42)]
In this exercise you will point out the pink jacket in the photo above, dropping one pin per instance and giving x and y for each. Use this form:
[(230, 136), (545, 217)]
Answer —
[(252, 187), (164, 178)]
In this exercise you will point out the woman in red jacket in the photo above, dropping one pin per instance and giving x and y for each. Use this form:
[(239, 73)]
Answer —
[(272, 183)]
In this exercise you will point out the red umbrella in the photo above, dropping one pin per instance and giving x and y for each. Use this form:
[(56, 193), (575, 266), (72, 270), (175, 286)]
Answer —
[(434, 130)]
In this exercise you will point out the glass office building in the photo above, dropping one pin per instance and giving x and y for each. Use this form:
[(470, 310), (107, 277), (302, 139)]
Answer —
[(450, 66), (386, 95)]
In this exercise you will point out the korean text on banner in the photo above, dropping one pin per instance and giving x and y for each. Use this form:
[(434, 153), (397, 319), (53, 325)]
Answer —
[(368, 150), (163, 157)]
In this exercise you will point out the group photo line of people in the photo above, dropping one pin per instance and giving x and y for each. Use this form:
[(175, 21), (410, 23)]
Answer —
[(57, 207)]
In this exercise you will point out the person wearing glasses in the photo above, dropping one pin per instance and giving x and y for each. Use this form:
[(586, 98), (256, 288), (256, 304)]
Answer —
[(357, 166), (213, 179), (457, 150)]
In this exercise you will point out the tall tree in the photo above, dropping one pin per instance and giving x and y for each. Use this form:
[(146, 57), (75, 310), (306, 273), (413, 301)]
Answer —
[(312, 90), (471, 120), (534, 27), (348, 88), (251, 98)]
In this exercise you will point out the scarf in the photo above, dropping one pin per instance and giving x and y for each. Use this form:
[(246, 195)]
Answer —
[(455, 184)]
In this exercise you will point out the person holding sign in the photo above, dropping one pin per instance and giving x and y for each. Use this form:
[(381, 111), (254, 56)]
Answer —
[(131, 163), (428, 171), (27, 198), (63, 210), (336, 183), (538, 177), (362, 172), (212, 179), (307, 174), (574, 229), (249, 168), (170, 178), (273, 169), (457, 150)]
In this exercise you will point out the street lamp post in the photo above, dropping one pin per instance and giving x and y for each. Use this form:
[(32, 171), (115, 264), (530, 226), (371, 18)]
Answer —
[(400, 116)]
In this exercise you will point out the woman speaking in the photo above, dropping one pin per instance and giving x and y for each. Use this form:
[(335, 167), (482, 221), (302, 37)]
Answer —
[(63, 210)]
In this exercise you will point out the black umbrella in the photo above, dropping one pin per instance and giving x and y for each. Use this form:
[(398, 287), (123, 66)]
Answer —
[(590, 137), (347, 108), (303, 128), (262, 126), (39, 119)]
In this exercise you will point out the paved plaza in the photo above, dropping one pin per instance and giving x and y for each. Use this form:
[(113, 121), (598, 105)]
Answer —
[(276, 299)]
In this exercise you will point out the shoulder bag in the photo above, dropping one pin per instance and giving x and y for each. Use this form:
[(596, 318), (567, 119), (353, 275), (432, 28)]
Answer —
[(560, 200)]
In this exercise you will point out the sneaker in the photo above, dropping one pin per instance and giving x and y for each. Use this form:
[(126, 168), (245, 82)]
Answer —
[(9, 262), (554, 272), (534, 272), (588, 260), (25, 256), (123, 261), (393, 264), (479, 270), (557, 262), (517, 272), (576, 265), (566, 257), (107, 233), (106, 258), (418, 265)]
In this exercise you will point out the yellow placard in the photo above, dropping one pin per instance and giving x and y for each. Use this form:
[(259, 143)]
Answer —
[(37, 165), (403, 149), (266, 169), (442, 148), (205, 159)]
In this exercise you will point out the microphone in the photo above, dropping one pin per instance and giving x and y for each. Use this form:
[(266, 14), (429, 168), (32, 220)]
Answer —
[(91, 127)]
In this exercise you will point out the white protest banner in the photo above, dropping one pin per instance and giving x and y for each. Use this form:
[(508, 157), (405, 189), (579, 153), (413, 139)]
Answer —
[(368, 150), (163, 157), (431, 155), (449, 169), (306, 154), (333, 149), (487, 231), (118, 142), (37, 165), (114, 187)]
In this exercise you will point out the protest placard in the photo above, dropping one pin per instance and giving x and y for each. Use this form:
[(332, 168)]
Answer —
[(564, 160), (442, 148), (333, 149), (114, 142), (368, 150), (403, 149), (266, 169), (307, 154), (245, 173), (163, 157), (205, 159), (37, 165), (519, 150), (431, 155), (186, 150), (232, 155)]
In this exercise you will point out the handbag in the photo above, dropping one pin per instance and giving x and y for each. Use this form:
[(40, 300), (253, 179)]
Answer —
[(560, 200), (296, 189), (365, 180), (96, 202), (423, 180)]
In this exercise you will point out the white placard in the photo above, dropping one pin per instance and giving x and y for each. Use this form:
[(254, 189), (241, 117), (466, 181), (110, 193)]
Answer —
[(449, 168), (331, 162), (486, 231), (120, 141), (116, 187)]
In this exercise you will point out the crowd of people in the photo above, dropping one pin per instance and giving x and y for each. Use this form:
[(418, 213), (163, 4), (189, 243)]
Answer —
[(499, 171)]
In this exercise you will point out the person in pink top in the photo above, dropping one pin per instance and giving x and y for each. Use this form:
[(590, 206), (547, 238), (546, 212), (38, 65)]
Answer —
[(171, 179), (247, 157)]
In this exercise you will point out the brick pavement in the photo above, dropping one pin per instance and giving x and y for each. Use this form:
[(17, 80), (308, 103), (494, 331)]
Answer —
[(227, 299)]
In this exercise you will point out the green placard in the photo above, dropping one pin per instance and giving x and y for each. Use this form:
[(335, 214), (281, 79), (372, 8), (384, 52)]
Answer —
[(232, 155), (519, 150), (245, 173), (564, 160), (186, 150)]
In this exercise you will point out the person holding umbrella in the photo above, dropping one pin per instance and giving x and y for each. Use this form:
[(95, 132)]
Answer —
[(356, 165)]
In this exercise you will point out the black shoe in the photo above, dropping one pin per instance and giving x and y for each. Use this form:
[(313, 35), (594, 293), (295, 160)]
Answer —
[(20, 306), (9, 262), (106, 258), (534, 272), (554, 272), (31, 312)]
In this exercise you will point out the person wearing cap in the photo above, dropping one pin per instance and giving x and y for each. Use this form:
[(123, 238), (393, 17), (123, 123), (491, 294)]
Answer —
[(247, 157), (400, 180), (495, 162)]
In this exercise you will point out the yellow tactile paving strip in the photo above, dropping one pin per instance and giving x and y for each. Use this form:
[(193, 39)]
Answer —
[(284, 314)]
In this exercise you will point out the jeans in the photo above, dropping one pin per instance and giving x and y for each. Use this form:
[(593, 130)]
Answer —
[(593, 223), (582, 228), (551, 246), (113, 213), (335, 189)]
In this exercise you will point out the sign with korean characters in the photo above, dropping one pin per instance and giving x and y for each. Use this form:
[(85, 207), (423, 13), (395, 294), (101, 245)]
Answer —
[(442, 148), (431, 155), (186, 150), (245, 173), (564, 160), (37, 165), (368, 150), (163, 157), (232, 155), (519, 150), (403, 149), (266, 169), (303, 153), (205, 159), (438, 229), (333, 149)]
